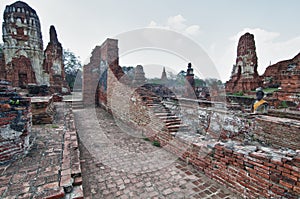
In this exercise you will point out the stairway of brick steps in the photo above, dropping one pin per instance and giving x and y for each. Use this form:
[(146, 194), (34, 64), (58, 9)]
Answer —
[(77, 105), (171, 121)]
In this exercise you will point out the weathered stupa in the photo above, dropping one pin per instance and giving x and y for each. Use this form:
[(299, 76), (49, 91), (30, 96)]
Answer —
[(139, 76), (164, 75), (244, 75)]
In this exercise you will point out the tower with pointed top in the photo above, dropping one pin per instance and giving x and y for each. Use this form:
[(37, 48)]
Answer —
[(164, 75), (190, 82)]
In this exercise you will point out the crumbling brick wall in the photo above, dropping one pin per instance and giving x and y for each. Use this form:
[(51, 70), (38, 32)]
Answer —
[(104, 62), (278, 132), (15, 128)]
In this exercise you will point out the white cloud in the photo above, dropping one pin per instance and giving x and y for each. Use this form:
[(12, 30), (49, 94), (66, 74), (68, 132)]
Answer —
[(193, 30), (152, 24), (177, 23)]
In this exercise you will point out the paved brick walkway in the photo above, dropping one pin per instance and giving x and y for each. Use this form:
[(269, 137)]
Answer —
[(117, 164), (37, 174)]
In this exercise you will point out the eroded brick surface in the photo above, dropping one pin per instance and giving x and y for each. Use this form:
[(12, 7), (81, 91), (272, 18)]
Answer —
[(53, 160), (37, 174), (103, 178)]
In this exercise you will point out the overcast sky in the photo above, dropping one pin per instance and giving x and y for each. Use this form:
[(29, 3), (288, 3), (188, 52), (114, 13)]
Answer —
[(214, 25)]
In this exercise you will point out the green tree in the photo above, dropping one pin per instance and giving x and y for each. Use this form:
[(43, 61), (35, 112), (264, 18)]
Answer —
[(1, 48), (199, 82), (72, 67), (213, 82)]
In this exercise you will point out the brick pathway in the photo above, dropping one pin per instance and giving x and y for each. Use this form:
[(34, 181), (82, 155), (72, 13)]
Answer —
[(38, 175), (116, 164)]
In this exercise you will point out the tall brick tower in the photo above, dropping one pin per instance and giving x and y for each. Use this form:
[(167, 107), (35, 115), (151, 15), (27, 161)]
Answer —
[(244, 75), (23, 45)]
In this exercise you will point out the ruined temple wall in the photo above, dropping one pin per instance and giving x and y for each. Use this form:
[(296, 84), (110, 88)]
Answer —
[(14, 136), (278, 132), (248, 170), (95, 74), (91, 77), (125, 103), (284, 73)]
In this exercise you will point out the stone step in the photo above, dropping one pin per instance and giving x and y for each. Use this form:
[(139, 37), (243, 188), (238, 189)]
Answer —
[(177, 126), (77, 105), (173, 123), (164, 114), (171, 120), (169, 117)]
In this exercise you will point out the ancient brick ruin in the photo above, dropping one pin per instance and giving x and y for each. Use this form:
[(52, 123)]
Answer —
[(286, 75), (103, 62), (53, 64), (15, 125), (252, 155), (244, 75), (23, 61)]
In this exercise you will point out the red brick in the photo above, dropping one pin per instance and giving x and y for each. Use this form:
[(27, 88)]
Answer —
[(290, 176), (283, 169), (290, 167), (286, 184), (296, 189), (269, 164)]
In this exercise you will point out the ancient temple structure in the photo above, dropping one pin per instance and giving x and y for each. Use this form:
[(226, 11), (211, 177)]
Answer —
[(139, 76), (53, 64), (190, 82), (284, 74), (23, 60), (244, 75), (164, 75)]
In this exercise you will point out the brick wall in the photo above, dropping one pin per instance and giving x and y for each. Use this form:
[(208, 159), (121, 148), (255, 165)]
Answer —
[(96, 72), (278, 132), (15, 128)]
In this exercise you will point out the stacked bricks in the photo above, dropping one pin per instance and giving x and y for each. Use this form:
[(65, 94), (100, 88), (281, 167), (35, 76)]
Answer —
[(247, 170), (71, 179), (278, 132), (15, 127)]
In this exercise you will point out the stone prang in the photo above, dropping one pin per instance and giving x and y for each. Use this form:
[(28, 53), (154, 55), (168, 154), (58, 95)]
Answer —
[(23, 60), (244, 75)]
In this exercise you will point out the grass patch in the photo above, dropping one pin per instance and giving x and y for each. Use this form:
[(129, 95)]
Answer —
[(240, 93), (146, 139), (156, 143), (54, 126), (270, 90)]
